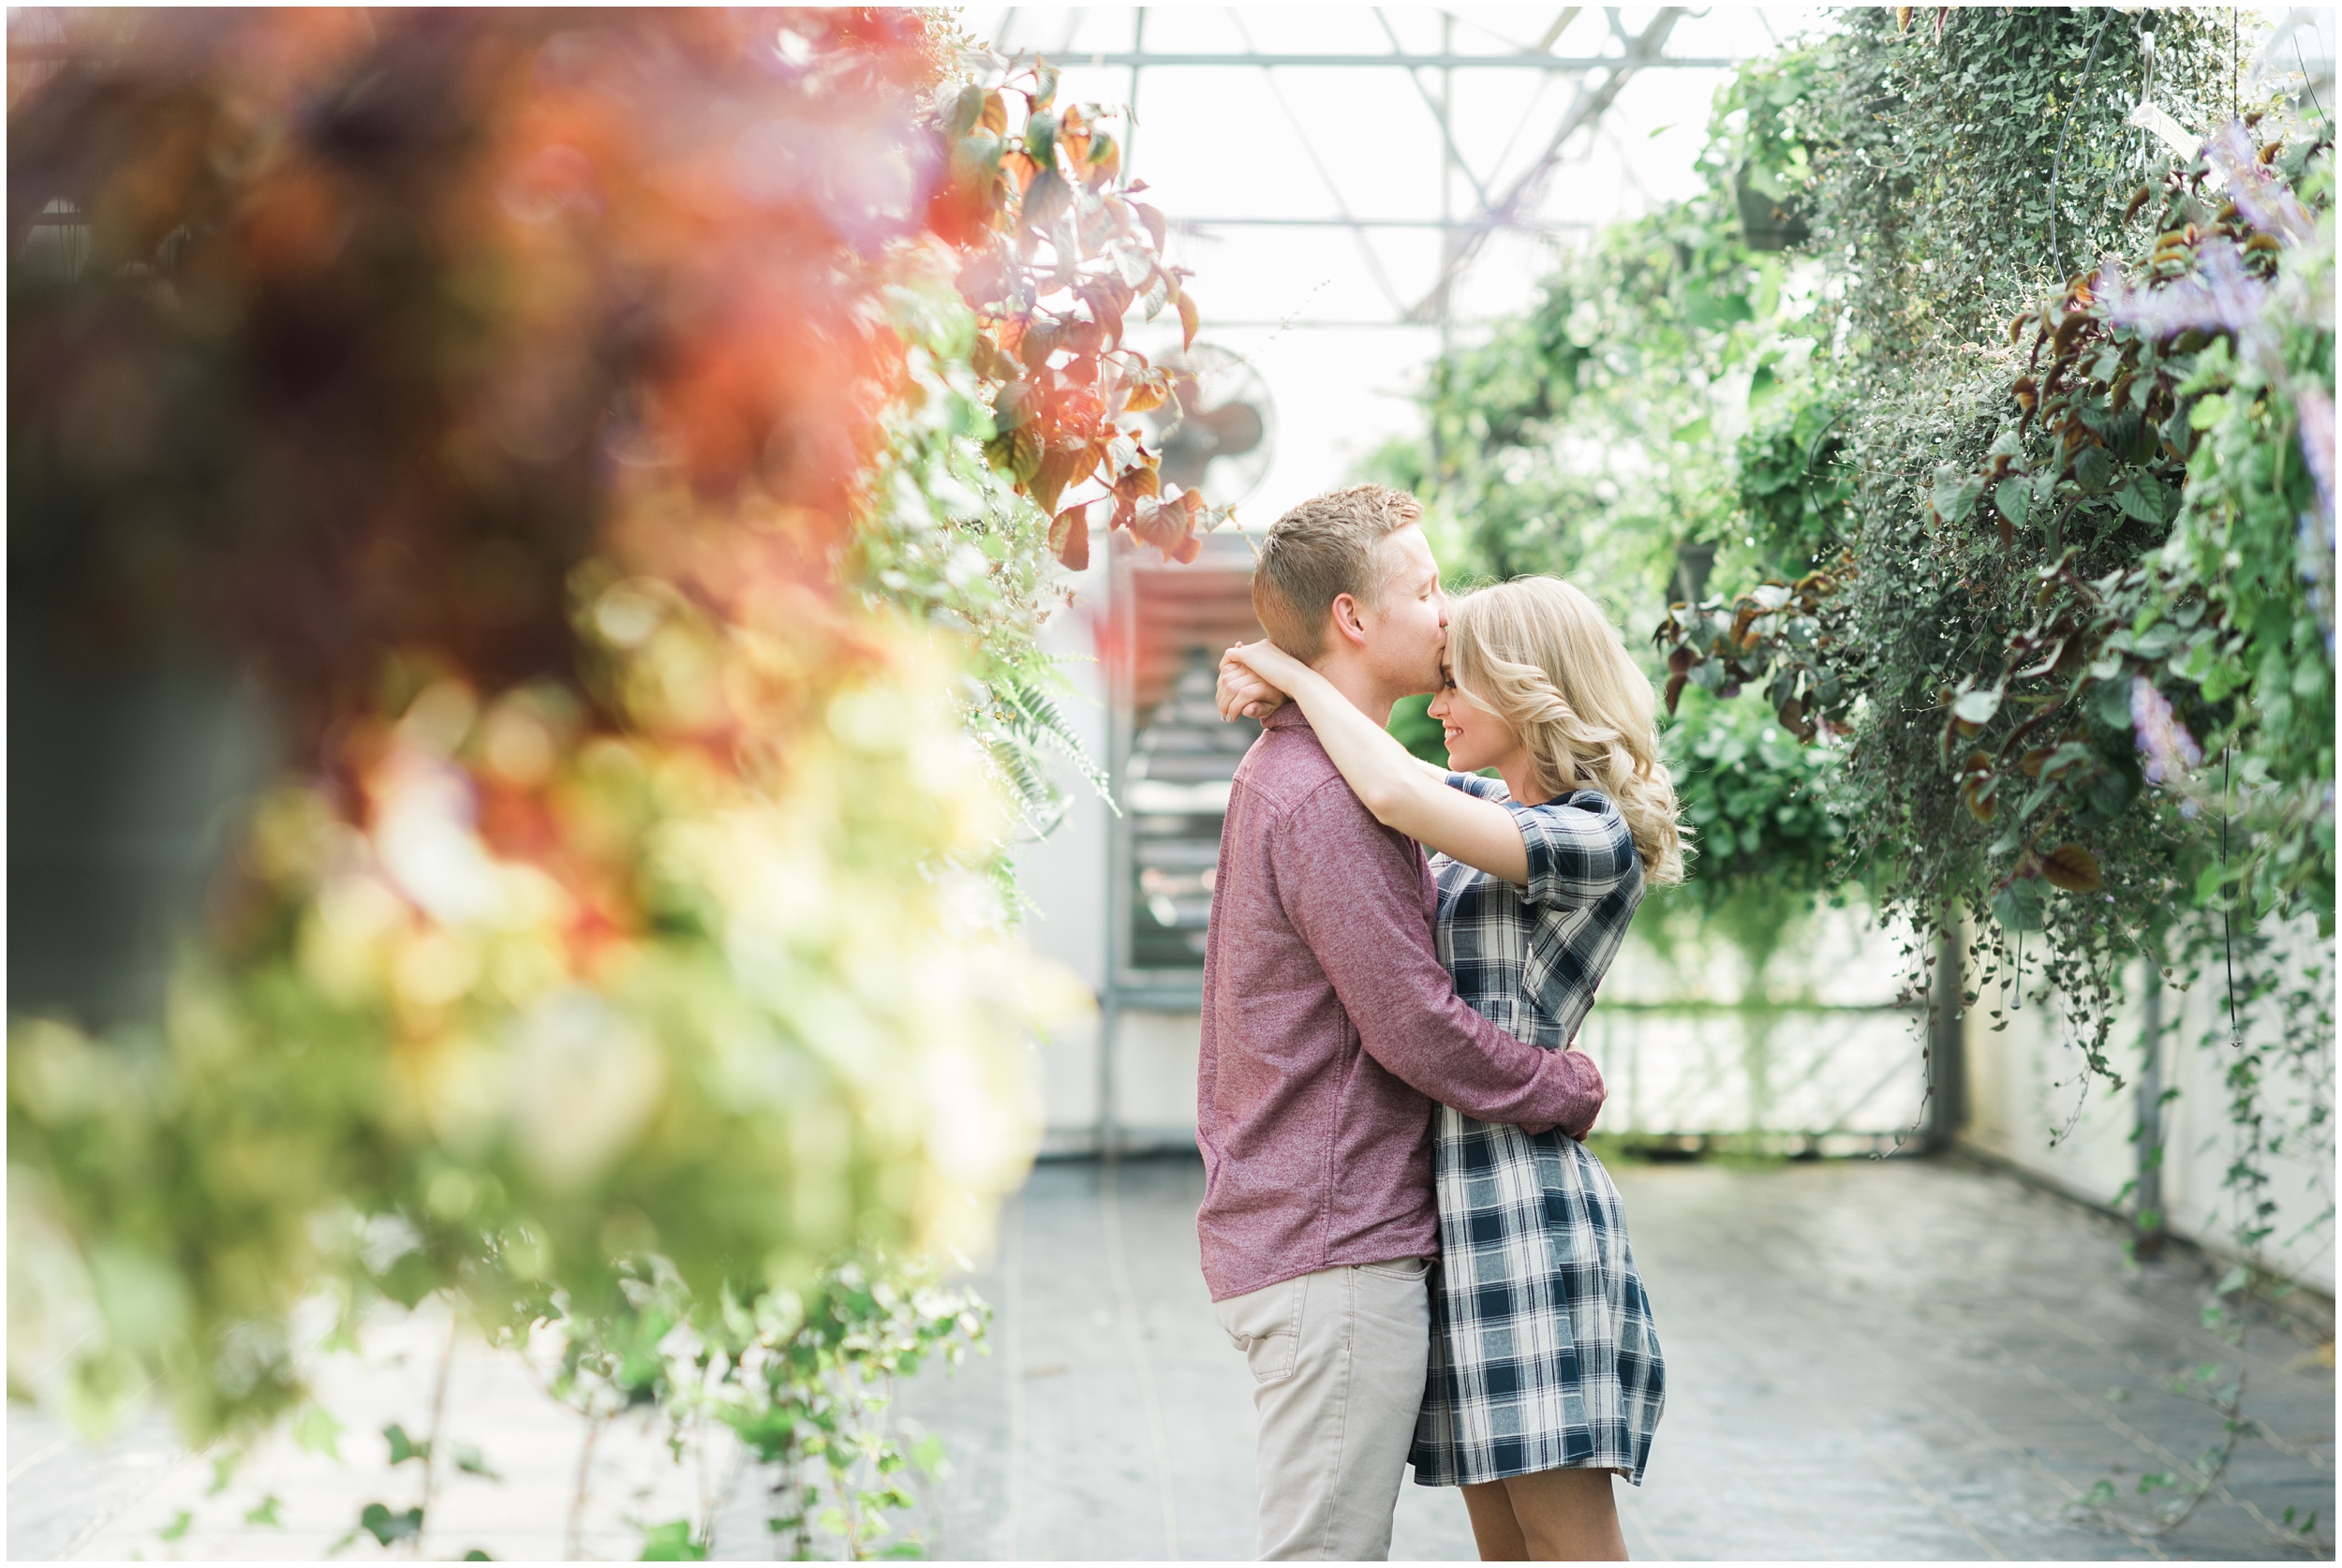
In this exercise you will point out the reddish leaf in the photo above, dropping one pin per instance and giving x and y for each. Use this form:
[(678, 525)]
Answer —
[(1068, 538), (2073, 869), (1106, 160), (989, 361), (1038, 343), (1168, 525), (1189, 320), (982, 281), (1156, 229), (1675, 689), (1149, 390), (1058, 470), (1024, 454)]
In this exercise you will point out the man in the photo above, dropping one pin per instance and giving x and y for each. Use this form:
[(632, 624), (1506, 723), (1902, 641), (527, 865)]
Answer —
[(1330, 1028)]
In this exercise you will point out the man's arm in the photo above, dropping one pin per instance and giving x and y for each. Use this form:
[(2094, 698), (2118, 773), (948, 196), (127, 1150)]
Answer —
[(1354, 892)]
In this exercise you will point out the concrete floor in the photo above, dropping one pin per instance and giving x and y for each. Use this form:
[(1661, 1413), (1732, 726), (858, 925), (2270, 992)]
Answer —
[(1866, 1359), (1904, 1359)]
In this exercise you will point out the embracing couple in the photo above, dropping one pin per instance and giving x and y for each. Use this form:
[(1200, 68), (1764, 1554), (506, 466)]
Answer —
[(1401, 1229)]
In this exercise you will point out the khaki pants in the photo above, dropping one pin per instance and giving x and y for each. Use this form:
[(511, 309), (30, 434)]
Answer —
[(1338, 1359)]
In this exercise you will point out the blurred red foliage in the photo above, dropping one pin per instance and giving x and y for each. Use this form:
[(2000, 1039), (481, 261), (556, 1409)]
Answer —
[(351, 331)]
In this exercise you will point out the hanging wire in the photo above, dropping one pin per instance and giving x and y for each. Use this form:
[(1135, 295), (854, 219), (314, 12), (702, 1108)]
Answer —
[(2309, 86), (1301, 131), (2057, 164), (2228, 943)]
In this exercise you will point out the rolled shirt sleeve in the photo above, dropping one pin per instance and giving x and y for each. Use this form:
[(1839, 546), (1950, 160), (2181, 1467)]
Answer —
[(1362, 902)]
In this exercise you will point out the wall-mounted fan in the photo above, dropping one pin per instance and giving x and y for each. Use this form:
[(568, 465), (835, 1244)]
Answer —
[(1218, 428)]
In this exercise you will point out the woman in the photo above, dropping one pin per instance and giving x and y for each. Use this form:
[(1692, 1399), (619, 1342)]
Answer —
[(1546, 1376)]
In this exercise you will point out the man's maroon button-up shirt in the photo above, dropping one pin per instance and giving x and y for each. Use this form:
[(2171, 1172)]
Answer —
[(1330, 1028)]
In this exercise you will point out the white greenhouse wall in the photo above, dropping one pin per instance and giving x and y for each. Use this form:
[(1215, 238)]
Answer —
[(2031, 1105)]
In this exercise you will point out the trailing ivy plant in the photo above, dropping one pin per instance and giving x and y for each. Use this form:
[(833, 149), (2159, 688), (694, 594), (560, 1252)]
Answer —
[(2079, 644), (2029, 534)]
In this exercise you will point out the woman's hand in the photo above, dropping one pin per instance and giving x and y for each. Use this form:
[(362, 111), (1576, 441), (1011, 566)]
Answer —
[(1269, 661), (1398, 790), (1243, 692)]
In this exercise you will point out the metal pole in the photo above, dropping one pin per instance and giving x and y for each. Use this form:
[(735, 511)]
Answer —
[(1946, 1058), (1130, 128), (2147, 1194), (1446, 179), (1121, 624), (1118, 706)]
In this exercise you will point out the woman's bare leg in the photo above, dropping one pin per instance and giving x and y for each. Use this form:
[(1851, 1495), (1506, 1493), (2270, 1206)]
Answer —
[(1565, 1515), (1493, 1527)]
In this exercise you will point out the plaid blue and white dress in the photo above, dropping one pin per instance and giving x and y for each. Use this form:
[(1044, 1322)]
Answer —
[(1543, 1354)]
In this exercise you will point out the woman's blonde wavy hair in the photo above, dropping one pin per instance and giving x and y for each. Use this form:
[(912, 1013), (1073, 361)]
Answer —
[(1543, 658)]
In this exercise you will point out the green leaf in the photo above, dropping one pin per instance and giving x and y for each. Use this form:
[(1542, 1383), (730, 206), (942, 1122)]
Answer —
[(1041, 138), (386, 1527), (2018, 906), (2111, 701), (1047, 200), (2234, 1280), (967, 109), (317, 1432), (2011, 496), (265, 1514), (1955, 494), (671, 1543), (177, 1528), (403, 1448), (2093, 469), (2142, 497), (468, 1460)]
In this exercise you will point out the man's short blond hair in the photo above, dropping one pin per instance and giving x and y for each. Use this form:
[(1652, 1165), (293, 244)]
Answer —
[(1327, 546)]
